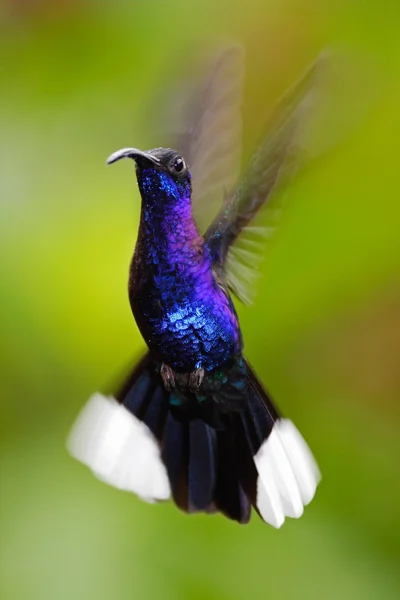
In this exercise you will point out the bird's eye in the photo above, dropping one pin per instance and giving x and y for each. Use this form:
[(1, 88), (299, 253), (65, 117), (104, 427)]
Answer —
[(179, 164)]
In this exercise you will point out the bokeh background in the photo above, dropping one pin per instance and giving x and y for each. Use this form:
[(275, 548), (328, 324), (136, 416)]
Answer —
[(77, 79)]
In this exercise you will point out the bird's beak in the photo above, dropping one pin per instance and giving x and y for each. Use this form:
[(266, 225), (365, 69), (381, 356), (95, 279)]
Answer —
[(132, 153)]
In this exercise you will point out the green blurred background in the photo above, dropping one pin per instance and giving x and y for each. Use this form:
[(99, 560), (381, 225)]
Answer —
[(77, 79)]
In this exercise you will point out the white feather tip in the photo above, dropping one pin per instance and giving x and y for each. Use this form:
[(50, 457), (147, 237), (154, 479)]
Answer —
[(119, 449), (287, 474)]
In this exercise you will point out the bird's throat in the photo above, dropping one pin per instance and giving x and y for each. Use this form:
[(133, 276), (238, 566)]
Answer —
[(167, 228)]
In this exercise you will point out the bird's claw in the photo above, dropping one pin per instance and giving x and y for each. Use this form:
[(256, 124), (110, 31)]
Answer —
[(167, 376), (196, 379)]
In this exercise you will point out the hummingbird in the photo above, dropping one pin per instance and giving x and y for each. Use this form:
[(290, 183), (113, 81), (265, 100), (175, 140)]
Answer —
[(193, 421)]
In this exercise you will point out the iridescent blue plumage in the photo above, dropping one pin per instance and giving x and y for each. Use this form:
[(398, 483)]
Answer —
[(185, 315)]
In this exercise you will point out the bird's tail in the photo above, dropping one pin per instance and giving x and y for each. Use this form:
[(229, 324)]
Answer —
[(139, 442)]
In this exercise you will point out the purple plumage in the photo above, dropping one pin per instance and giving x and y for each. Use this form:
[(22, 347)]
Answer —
[(187, 319)]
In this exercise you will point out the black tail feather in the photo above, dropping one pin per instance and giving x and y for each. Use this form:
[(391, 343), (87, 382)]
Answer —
[(230, 497), (260, 414), (189, 454), (144, 366), (246, 469), (155, 413), (202, 472), (175, 450), (140, 394)]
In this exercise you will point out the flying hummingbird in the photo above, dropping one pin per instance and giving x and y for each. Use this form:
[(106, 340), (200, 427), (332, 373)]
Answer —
[(193, 421)]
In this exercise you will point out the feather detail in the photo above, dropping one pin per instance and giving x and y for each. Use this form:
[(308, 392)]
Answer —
[(119, 449)]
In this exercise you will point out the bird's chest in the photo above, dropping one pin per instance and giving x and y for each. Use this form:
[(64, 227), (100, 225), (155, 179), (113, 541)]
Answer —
[(181, 312)]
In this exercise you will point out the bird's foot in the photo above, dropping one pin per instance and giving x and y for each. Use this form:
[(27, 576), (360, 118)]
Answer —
[(196, 379), (167, 376)]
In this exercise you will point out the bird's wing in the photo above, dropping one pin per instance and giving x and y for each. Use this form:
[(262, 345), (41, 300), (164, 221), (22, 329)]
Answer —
[(202, 122), (314, 115), (277, 157)]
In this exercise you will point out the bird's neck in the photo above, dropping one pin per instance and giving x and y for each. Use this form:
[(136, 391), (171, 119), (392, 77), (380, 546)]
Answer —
[(168, 231)]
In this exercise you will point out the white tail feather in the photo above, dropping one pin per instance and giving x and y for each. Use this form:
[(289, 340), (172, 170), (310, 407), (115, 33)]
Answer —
[(119, 449), (287, 474)]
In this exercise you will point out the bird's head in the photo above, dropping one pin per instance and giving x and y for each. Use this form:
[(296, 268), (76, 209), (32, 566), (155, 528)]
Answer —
[(163, 175)]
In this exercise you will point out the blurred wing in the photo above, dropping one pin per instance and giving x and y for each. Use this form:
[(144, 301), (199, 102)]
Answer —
[(203, 123), (278, 155), (307, 121)]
